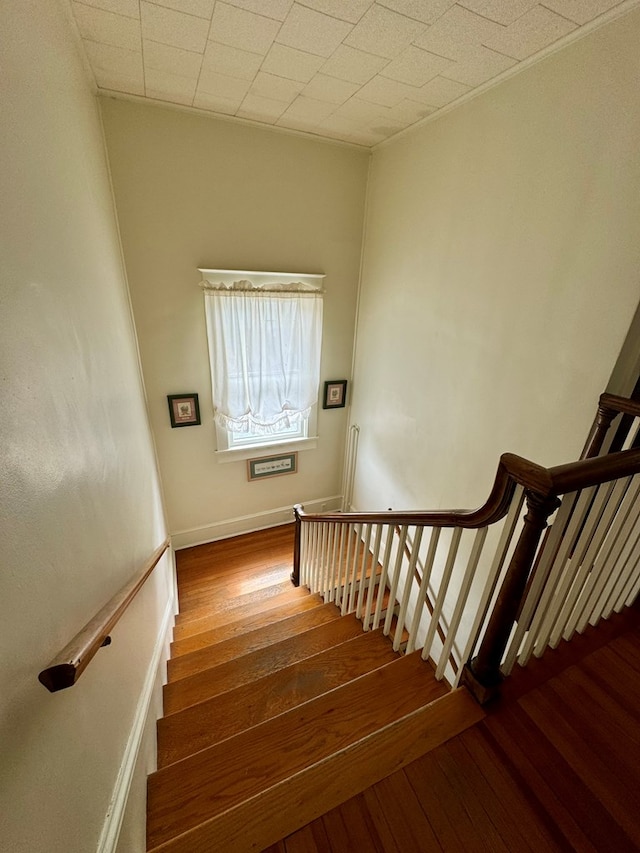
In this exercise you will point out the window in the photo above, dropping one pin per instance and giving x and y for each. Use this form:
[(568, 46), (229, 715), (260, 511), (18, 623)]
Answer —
[(265, 333)]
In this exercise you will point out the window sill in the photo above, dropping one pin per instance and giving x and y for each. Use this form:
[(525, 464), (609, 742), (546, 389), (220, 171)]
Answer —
[(274, 447)]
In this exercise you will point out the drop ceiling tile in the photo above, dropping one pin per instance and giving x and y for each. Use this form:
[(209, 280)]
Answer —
[(581, 11), (173, 28), (261, 109), (169, 87), (480, 65), (292, 123), (172, 60), (384, 33), (276, 9), (385, 128), (275, 88), (458, 28), (346, 131), (386, 92), (350, 11), (530, 33), (339, 125), (107, 27), (242, 29), (293, 64), (409, 112), (501, 11), (216, 103), (416, 67), (353, 65), (440, 92), (222, 86), (128, 8), (199, 8), (359, 111), (330, 89), (426, 11), (115, 68), (309, 109), (306, 29), (231, 61)]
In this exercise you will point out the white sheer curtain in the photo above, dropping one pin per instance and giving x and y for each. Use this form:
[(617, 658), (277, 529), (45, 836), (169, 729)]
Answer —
[(264, 348)]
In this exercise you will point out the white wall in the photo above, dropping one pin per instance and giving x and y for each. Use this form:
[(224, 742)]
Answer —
[(193, 191), (501, 272), (80, 505)]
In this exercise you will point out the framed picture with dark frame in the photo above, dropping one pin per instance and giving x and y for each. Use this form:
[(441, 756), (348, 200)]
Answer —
[(184, 410), (272, 466), (335, 394)]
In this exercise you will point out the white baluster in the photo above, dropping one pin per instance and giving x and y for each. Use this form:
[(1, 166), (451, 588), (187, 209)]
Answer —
[(374, 578), (467, 580)]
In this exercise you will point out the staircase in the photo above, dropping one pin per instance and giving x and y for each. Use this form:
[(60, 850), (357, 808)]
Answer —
[(277, 707), (554, 766)]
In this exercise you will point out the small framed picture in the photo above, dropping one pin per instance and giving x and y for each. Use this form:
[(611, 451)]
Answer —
[(184, 409), (335, 394), (272, 466)]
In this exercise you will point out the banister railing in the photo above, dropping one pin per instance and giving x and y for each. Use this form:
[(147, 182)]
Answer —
[(65, 669), (489, 569)]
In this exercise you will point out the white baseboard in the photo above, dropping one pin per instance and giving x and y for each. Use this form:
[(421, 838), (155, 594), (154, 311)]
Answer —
[(248, 523), (113, 822)]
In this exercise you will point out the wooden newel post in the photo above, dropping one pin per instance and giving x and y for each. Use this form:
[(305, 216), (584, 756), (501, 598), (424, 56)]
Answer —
[(603, 421), (482, 674), (295, 574)]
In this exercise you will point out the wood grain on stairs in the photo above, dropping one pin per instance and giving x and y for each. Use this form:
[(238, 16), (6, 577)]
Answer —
[(279, 709), (319, 787), (202, 725), (211, 682), (217, 632), (190, 792), (235, 647), (206, 618), (213, 603), (554, 769)]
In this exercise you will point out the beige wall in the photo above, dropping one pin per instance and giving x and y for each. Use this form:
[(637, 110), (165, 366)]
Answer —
[(193, 191), (501, 272), (80, 506)]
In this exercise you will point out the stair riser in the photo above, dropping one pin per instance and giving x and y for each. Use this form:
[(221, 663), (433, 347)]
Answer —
[(182, 795), (205, 619), (219, 653), (196, 728), (220, 679), (282, 808), (240, 627)]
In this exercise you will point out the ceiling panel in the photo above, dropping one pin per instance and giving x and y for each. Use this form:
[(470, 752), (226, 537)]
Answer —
[(356, 71)]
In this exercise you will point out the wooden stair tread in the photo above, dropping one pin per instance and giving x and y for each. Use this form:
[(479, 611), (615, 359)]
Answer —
[(237, 627), (207, 620), (216, 604), (211, 682), (200, 726), (235, 608), (235, 647), (192, 790), (281, 808), (232, 585)]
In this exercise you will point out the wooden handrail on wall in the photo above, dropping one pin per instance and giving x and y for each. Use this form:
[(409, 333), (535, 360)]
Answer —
[(65, 669)]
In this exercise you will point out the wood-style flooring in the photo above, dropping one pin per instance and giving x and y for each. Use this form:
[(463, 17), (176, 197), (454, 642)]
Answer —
[(553, 766)]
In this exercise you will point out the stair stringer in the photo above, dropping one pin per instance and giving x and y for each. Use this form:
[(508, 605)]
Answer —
[(283, 808)]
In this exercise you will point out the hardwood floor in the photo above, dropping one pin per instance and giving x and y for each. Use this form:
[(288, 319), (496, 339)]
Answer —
[(553, 767), (278, 708)]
